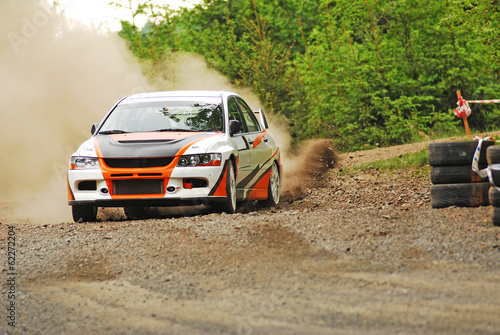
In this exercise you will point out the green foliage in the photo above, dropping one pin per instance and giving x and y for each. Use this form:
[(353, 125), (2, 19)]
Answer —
[(365, 73), (156, 38)]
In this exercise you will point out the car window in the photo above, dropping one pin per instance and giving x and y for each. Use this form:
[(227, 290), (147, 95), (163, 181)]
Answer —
[(165, 116), (248, 115), (234, 114)]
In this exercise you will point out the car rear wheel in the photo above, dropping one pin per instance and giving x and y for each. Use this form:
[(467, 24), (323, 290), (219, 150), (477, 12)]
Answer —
[(274, 188), (84, 213), (230, 201)]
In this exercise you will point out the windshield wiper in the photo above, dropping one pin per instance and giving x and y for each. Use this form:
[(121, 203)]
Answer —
[(174, 129), (114, 131)]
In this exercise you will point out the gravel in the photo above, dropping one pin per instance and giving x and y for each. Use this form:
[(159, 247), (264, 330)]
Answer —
[(358, 253)]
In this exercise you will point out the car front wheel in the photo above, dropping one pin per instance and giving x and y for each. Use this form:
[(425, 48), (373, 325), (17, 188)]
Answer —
[(84, 213), (230, 202)]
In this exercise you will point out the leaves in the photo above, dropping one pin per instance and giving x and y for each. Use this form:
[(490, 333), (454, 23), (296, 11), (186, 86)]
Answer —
[(362, 72)]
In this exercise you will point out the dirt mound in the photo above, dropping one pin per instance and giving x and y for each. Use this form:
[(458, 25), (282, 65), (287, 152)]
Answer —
[(307, 167)]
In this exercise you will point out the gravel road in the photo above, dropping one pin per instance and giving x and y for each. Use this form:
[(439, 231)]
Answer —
[(348, 253)]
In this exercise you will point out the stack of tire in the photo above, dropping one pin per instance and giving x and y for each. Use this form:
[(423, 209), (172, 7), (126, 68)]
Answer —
[(493, 156), (454, 183)]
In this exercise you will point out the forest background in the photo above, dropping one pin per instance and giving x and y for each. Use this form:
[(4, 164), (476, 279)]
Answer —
[(363, 73)]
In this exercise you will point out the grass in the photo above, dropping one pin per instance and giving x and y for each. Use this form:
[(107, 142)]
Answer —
[(455, 132), (413, 160)]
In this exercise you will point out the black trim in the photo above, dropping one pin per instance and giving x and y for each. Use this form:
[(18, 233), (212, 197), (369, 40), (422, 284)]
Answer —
[(87, 185), (267, 161), (246, 143), (245, 182), (248, 178)]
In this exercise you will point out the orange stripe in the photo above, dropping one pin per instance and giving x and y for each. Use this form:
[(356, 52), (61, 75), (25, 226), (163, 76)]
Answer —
[(236, 168), (221, 191), (70, 193), (258, 140), (277, 150), (260, 190), (152, 136)]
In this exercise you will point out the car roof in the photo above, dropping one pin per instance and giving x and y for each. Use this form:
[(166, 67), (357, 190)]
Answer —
[(179, 94)]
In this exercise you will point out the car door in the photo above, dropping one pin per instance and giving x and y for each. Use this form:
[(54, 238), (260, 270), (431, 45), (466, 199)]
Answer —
[(244, 165), (260, 149)]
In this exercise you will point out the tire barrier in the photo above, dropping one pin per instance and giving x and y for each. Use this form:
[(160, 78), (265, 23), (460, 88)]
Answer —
[(493, 171), (494, 196), (456, 174), (455, 182), (495, 216), (493, 155), (457, 153), (460, 195)]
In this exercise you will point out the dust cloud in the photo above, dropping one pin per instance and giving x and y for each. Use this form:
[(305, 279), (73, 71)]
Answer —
[(57, 80), (306, 166)]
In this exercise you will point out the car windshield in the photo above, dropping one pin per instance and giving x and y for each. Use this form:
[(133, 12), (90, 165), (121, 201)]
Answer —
[(165, 116)]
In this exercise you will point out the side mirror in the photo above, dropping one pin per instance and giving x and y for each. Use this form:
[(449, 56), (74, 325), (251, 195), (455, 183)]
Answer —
[(234, 127), (94, 128), (263, 120)]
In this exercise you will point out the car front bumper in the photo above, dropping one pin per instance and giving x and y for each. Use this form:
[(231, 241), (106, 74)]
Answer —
[(174, 190)]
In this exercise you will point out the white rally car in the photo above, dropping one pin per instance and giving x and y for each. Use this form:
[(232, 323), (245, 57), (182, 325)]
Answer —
[(175, 148)]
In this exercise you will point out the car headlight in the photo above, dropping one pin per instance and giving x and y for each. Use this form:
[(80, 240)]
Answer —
[(77, 162), (200, 160)]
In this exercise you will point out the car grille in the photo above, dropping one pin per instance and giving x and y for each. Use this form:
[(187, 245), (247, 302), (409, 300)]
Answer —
[(134, 163), (138, 186)]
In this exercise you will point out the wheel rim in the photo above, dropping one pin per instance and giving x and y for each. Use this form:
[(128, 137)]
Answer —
[(275, 185), (232, 188)]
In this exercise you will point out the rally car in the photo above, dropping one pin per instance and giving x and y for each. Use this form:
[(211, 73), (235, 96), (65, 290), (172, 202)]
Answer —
[(175, 148)]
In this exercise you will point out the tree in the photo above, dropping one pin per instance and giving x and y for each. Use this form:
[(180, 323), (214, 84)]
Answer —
[(363, 72)]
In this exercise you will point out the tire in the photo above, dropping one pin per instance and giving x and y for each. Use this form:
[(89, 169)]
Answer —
[(495, 216), (494, 196), (456, 153), (136, 212), (229, 204), (274, 188), (493, 155), (460, 195), (455, 175), (495, 177), (84, 213)]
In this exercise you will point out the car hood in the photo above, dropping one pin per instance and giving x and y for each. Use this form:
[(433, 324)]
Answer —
[(155, 144)]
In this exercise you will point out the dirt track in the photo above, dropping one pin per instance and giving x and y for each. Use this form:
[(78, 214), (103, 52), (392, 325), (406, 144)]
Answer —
[(364, 253)]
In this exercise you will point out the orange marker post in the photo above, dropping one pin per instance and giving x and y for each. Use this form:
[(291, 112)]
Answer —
[(466, 124)]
